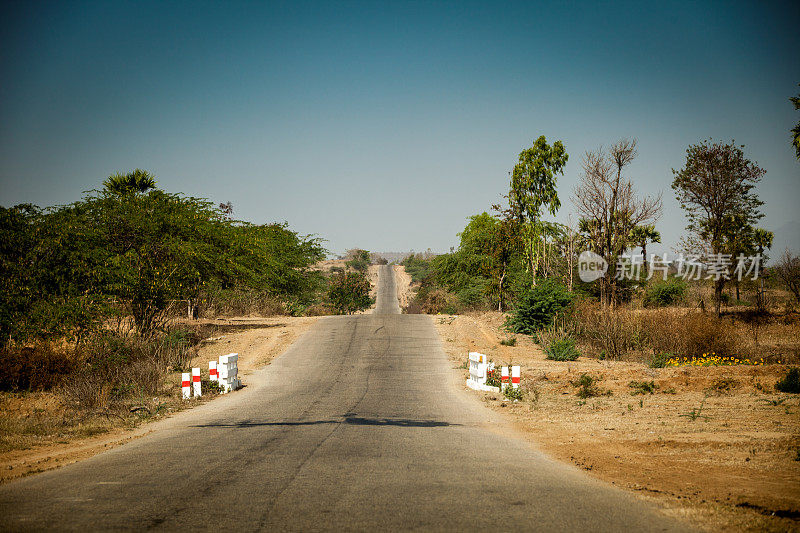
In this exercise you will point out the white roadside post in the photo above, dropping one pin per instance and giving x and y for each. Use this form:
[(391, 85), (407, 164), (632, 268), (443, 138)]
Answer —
[(212, 371), (228, 370), (186, 385), (515, 377), (196, 385), (504, 377), (478, 366)]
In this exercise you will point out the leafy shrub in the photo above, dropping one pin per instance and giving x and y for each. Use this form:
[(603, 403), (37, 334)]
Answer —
[(513, 393), (349, 292), (440, 301), (472, 295), (659, 360), (562, 350), (664, 293), (790, 382), (359, 260), (539, 307), (510, 341), (587, 386), (210, 387), (493, 377), (642, 387), (417, 267)]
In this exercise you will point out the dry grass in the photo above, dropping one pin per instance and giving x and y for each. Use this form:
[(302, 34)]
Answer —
[(632, 334), (40, 430), (716, 444)]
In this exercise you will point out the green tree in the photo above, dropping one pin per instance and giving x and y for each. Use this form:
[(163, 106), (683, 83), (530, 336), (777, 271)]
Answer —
[(69, 266), (641, 236), (358, 259), (349, 292), (762, 240), (18, 229), (539, 307), (716, 189), (533, 187), (138, 181)]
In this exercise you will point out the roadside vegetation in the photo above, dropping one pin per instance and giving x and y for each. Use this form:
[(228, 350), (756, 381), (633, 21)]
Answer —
[(645, 307), (106, 301), (646, 374)]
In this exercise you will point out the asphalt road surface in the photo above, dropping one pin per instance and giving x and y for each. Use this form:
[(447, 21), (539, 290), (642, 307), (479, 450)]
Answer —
[(360, 425)]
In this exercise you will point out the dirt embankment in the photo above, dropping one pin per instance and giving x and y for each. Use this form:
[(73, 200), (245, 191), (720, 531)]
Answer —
[(715, 444), (402, 280), (33, 424)]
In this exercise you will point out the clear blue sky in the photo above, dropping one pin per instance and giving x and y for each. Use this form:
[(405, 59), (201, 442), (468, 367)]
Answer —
[(385, 126)]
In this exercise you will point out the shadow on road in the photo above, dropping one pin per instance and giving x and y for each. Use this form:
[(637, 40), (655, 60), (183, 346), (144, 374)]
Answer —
[(353, 420)]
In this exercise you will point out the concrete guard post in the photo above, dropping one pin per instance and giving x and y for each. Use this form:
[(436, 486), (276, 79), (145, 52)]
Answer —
[(478, 366), (196, 384), (228, 371), (186, 385)]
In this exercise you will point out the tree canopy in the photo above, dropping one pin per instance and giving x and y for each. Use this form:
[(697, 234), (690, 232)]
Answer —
[(67, 267)]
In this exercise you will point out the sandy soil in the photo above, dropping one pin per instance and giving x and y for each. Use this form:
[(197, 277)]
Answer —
[(372, 274), (263, 340), (403, 283), (715, 444)]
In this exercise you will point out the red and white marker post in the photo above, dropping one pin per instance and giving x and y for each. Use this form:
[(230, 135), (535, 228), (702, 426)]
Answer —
[(196, 385), (515, 377), (186, 385), (212, 371), (503, 377)]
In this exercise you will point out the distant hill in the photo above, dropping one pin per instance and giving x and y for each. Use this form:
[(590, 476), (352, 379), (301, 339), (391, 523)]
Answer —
[(396, 257)]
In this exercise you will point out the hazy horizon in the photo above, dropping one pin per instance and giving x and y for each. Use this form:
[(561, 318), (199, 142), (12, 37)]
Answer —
[(385, 126)]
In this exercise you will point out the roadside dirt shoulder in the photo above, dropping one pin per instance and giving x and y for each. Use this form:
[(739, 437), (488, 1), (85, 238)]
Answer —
[(716, 445), (403, 283), (258, 342)]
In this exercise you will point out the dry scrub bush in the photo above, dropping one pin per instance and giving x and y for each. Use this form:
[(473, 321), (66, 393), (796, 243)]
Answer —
[(558, 331), (440, 301), (113, 369), (318, 309), (613, 331), (36, 368), (690, 334), (242, 303)]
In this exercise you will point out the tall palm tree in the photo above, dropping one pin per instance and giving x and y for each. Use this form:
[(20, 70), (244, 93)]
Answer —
[(762, 239), (640, 236), (138, 181)]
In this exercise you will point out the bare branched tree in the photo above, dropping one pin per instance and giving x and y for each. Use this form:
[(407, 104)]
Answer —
[(608, 203), (788, 269)]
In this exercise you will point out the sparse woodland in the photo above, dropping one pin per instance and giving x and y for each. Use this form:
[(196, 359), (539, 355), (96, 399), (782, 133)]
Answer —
[(653, 313)]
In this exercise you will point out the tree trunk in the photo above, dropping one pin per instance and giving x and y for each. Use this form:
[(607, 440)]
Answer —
[(500, 295), (644, 258), (718, 286)]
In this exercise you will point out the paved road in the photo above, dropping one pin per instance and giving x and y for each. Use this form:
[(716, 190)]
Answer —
[(361, 425)]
